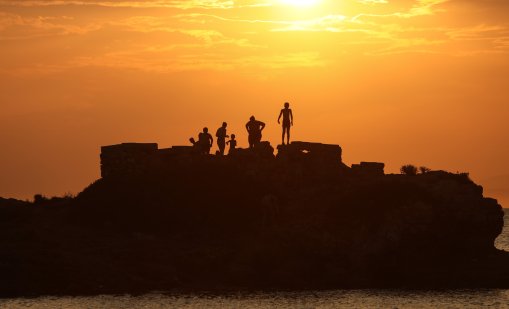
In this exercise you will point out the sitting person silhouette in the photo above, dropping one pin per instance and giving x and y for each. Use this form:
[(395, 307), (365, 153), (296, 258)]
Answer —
[(221, 138), (233, 144), (205, 141), (254, 129), (287, 122)]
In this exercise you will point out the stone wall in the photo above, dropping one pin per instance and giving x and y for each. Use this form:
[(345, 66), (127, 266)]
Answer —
[(368, 168), (126, 158), (318, 151), (135, 158)]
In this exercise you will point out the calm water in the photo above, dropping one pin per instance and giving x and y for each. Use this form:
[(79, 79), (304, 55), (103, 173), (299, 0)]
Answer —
[(330, 299)]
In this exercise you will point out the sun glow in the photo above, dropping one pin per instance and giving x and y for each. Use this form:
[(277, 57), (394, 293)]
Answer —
[(300, 2)]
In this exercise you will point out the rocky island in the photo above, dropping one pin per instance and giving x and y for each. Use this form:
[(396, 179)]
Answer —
[(173, 219)]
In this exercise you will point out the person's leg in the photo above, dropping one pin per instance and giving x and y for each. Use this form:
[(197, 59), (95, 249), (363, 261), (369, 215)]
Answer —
[(283, 135), (286, 131), (221, 145)]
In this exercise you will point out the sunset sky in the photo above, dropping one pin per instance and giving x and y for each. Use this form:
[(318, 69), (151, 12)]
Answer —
[(424, 82)]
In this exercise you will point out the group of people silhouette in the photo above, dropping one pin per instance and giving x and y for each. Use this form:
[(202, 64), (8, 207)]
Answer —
[(254, 129)]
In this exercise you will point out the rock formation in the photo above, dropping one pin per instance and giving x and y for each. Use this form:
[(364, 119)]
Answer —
[(164, 219)]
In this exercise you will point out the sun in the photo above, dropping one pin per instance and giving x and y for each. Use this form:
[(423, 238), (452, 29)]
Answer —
[(300, 2)]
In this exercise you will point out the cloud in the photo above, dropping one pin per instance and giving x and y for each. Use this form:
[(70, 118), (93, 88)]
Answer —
[(221, 35), (181, 4), (330, 23), (485, 3), (373, 1), (418, 8), (163, 60), (184, 4), (15, 26)]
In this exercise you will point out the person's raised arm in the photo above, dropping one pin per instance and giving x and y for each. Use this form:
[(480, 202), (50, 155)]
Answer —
[(279, 118), (291, 117), (262, 124)]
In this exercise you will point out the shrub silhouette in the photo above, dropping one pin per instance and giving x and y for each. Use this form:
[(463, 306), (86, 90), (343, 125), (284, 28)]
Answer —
[(39, 198), (409, 169), (424, 170)]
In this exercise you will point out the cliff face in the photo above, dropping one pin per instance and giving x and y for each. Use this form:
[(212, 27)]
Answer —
[(252, 220)]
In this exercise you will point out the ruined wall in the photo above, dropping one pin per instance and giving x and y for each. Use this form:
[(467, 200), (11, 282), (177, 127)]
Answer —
[(126, 158), (318, 151), (368, 169), (313, 159)]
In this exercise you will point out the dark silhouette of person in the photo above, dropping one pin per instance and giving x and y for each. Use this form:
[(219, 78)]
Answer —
[(254, 129), (221, 138), (205, 141), (233, 144), (287, 115)]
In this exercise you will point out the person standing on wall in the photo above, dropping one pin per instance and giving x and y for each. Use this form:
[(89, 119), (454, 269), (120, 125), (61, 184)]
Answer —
[(287, 115)]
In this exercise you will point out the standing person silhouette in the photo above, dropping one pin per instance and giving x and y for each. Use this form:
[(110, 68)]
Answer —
[(233, 144), (205, 141), (254, 129), (221, 138), (287, 122)]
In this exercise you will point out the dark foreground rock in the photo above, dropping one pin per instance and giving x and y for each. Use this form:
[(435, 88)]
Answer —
[(253, 221)]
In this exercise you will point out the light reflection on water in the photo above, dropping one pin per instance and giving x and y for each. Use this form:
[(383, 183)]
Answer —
[(502, 241), (323, 299), (332, 299)]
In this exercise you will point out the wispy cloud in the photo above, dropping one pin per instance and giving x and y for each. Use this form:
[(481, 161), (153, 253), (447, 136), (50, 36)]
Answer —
[(220, 34), (184, 4), (373, 1), (419, 8), (15, 26), (163, 60)]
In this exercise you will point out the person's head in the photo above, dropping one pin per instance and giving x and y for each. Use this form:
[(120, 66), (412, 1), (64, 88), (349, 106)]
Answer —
[(287, 104), (225, 124), (233, 136), (252, 118), (205, 130)]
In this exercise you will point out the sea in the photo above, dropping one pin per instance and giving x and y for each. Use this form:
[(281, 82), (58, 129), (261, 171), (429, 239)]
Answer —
[(376, 298)]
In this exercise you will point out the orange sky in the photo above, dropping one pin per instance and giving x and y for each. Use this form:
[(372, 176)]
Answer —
[(398, 81)]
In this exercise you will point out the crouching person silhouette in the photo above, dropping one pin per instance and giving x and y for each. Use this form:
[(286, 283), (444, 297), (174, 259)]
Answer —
[(205, 141), (254, 129)]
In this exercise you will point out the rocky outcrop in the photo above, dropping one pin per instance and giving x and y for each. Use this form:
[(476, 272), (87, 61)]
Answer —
[(163, 219)]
